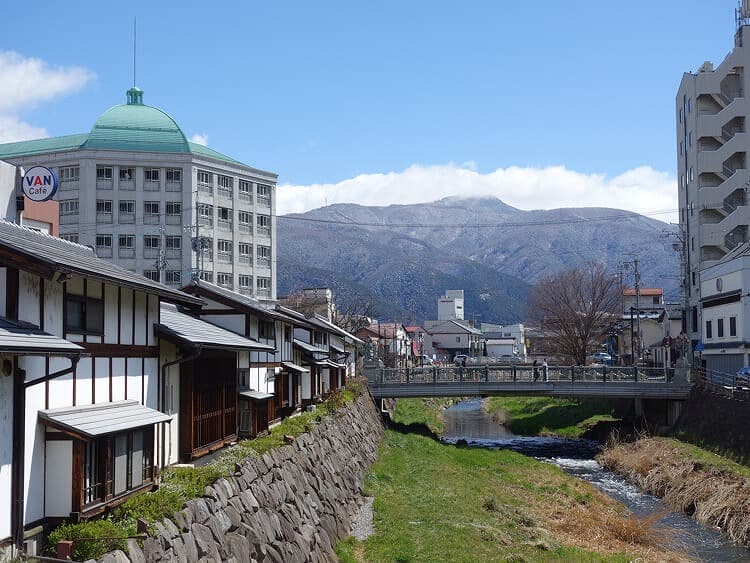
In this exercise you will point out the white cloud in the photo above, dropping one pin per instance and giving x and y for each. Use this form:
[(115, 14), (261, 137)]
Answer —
[(642, 189), (27, 82), (200, 138)]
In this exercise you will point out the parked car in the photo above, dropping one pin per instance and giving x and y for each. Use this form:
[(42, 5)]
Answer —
[(425, 360), (601, 357), (463, 360), (743, 376)]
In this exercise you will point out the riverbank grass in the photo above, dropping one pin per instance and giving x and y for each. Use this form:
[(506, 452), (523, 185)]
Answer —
[(532, 416), (438, 502)]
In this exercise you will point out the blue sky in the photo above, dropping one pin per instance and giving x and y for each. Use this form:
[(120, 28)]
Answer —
[(324, 93)]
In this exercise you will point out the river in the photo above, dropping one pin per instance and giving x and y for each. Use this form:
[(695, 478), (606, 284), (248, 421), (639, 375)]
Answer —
[(468, 421)]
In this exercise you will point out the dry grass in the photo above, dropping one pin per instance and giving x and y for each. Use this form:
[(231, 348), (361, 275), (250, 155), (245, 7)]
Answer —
[(713, 496)]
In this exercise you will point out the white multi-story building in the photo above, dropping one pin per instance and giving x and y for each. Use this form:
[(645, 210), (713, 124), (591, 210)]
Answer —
[(135, 189), (451, 305), (712, 147)]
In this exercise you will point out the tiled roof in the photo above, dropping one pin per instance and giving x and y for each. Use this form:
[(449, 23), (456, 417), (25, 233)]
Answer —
[(60, 255), (91, 421), (17, 337), (186, 330)]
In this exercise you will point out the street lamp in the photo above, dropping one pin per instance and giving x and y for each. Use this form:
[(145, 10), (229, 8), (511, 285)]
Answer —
[(678, 245)]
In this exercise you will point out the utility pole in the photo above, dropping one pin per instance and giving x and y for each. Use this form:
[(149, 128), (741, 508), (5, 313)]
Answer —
[(161, 261), (635, 332)]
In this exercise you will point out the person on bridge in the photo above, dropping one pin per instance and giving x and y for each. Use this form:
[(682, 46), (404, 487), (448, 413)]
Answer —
[(536, 369), (544, 369)]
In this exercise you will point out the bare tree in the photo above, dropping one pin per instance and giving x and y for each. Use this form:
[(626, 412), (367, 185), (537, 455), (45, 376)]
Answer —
[(353, 313), (574, 308)]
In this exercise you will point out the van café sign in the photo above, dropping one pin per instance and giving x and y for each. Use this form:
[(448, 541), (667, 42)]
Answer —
[(39, 183)]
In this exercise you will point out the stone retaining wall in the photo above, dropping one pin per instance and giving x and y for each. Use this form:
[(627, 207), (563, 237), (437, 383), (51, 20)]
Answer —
[(290, 505)]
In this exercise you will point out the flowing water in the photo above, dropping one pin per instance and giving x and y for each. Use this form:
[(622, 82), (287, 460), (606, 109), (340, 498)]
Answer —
[(468, 421)]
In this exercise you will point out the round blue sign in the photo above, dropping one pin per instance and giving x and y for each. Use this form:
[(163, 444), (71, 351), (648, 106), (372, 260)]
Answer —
[(39, 183)]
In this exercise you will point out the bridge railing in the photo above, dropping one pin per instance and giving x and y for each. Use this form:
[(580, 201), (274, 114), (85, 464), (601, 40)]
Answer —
[(522, 374)]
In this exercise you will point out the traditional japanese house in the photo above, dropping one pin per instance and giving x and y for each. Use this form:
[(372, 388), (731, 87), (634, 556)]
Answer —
[(203, 388), (80, 380)]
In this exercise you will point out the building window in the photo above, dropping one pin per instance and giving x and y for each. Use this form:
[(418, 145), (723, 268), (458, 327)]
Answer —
[(695, 319), (127, 241), (70, 237), (246, 282), (264, 224), (205, 214), (173, 208), (116, 464), (151, 174), (204, 178), (207, 276), (244, 374), (104, 241), (174, 175), (690, 143), (225, 250), (690, 174), (174, 276), (287, 333), (719, 328), (709, 332), (693, 276), (246, 250), (103, 172), (153, 275), (69, 173), (224, 279), (225, 184), (84, 314), (225, 217), (151, 241), (245, 189), (127, 207), (264, 190), (127, 174), (150, 207), (458, 339), (104, 206), (174, 242), (263, 255), (266, 330), (732, 326), (263, 285), (246, 221), (69, 207)]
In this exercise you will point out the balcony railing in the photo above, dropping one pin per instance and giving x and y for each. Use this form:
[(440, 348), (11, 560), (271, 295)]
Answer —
[(263, 200), (126, 185), (225, 224), (245, 196), (245, 259), (103, 184), (104, 251), (173, 186), (126, 252), (151, 186), (126, 218), (263, 262), (150, 252), (173, 219), (263, 293), (205, 221), (205, 188), (225, 192), (246, 228), (103, 217), (225, 257), (150, 219), (264, 231), (173, 253)]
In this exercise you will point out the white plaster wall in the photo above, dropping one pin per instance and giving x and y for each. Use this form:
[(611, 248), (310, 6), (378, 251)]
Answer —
[(6, 452), (134, 379), (140, 318), (118, 379), (235, 323), (59, 477), (172, 403), (34, 455), (102, 380), (153, 318), (84, 387), (53, 305), (7, 197), (3, 275), (28, 297), (110, 320), (126, 318)]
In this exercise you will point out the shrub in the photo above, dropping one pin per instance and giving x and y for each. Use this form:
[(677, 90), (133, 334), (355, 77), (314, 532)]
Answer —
[(91, 539)]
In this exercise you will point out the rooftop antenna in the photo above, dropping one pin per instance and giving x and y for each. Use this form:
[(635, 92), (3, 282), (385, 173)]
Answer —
[(134, 43)]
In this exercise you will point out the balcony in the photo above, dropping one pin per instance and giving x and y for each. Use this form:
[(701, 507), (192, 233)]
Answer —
[(126, 218), (225, 257), (151, 186), (263, 201), (205, 188), (173, 186), (245, 260), (173, 219), (126, 185), (104, 184), (151, 219), (263, 262), (150, 252), (263, 293), (205, 221), (103, 217), (68, 185), (225, 193), (174, 253), (246, 197), (126, 252), (246, 228), (68, 219), (264, 231), (225, 224)]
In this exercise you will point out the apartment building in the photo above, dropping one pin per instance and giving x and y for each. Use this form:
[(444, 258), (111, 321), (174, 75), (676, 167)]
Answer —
[(713, 176), (143, 196)]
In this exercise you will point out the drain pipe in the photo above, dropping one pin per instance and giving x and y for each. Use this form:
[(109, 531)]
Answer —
[(163, 388)]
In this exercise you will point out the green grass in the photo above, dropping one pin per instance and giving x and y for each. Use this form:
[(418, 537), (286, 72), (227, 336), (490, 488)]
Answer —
[(435, 502), (530, 416), (422, 411)]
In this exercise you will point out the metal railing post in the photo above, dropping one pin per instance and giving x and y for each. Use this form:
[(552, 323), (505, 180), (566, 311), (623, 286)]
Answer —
[(572, 374), (407, 375), (434, 374), (513, 369), (486, 374), (460, 374), (635, 374), (604, 376)]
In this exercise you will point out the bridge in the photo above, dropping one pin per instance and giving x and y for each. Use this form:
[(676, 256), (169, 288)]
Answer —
[(614, 382)]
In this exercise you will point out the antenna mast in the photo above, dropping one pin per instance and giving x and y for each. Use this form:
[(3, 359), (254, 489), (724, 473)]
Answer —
[(134, 43)]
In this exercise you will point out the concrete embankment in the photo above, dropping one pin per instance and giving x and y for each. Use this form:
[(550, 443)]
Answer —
[(290, 505)]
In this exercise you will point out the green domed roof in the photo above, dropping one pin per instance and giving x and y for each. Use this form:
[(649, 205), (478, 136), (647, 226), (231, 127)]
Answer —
[(137, 127)]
